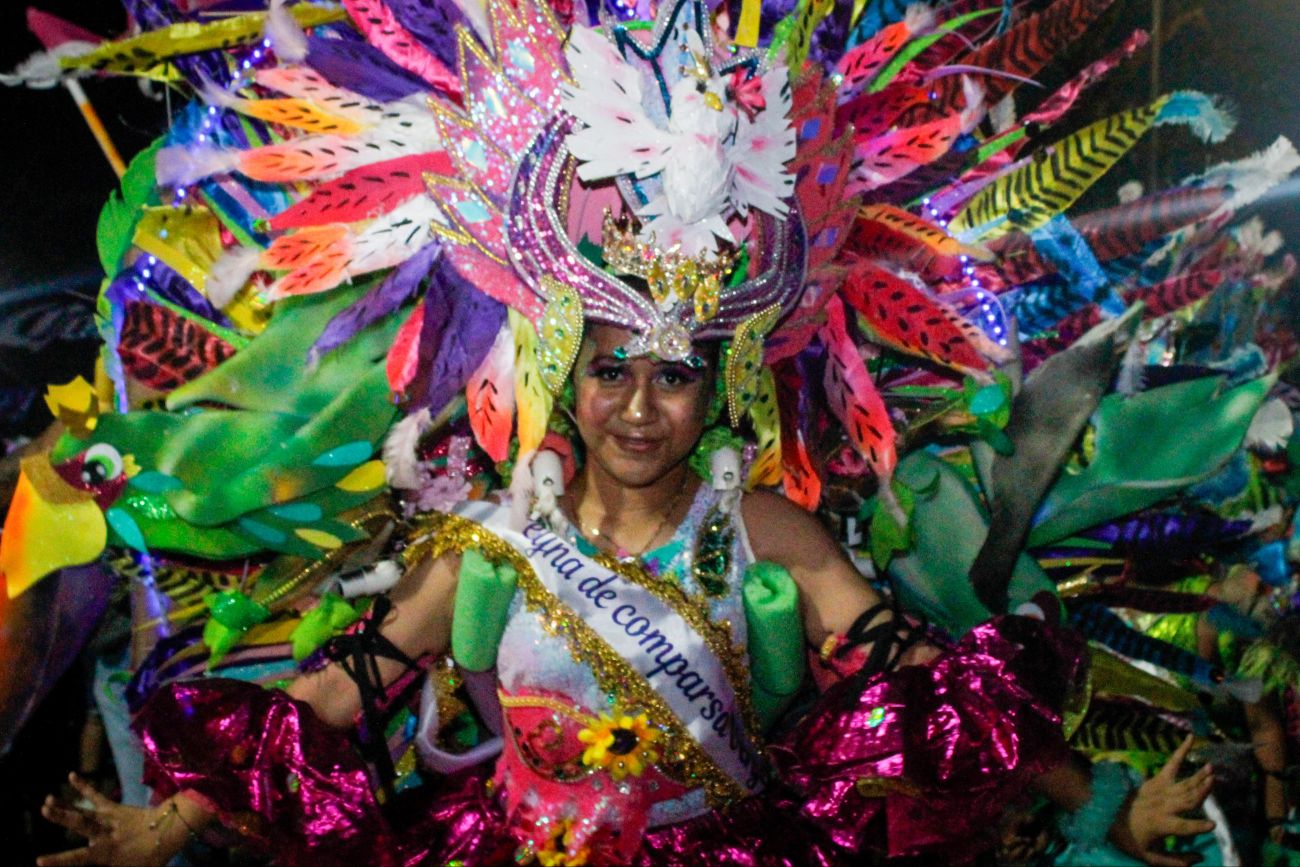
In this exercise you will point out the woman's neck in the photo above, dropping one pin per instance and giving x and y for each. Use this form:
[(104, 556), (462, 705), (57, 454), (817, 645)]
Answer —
[(623, 514)]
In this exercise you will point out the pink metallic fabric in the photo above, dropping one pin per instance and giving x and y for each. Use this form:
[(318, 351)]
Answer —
[(918, 761)]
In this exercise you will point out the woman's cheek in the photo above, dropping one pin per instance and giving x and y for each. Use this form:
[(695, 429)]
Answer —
[(593, 406)]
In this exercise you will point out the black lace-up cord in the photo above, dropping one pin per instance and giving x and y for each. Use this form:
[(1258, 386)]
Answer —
[(889, 639), (358, 654)]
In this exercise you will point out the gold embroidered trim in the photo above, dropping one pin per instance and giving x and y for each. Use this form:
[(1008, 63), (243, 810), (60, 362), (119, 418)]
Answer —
[(552, 704), (684, 760)]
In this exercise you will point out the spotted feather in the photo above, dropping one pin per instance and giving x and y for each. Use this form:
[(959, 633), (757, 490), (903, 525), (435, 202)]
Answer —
[(765, 418), (363, 192), (490, 397), (895, 237), (299, 114), (382, 29), (1022, 51), (853, 397), (532, 399), (162, 349), (306, 83), (800, 481), (904, 317)]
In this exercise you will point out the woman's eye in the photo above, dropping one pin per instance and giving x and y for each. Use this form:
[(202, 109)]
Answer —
[(608, 373), (674, 378)]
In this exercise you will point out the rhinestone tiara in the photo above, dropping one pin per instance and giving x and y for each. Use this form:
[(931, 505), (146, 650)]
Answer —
[(673, 278)]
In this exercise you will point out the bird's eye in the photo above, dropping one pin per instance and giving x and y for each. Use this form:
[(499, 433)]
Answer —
[(102, 463)]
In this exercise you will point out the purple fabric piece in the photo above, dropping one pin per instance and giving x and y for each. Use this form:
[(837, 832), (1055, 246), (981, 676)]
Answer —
[(269, 767), (460, 326), (432, 23), (362, 68), (382, 301), (940, 748), (44, 629)]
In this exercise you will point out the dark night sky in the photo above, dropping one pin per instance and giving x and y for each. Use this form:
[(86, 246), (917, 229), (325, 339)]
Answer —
[(55, 178)]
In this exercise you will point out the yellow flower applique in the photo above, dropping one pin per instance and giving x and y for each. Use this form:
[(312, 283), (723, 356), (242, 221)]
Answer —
[(622, 744)]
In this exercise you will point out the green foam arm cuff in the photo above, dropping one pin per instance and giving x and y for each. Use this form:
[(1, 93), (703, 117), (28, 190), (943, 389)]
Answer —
[(776, 660), (769, 707), (483, 597)]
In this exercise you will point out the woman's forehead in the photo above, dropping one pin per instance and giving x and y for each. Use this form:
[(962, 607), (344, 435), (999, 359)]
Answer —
[(605, 340)]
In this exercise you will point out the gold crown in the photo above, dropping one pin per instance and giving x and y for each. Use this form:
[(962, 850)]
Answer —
[(671, 276)]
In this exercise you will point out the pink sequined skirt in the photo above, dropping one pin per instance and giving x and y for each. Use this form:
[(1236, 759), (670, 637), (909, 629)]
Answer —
[(918, 761)]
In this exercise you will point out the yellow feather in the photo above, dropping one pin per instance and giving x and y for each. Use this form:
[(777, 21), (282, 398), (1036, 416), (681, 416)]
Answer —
[(147, 54), (299, 113), (766, 419), (532, 399), (186, 239)]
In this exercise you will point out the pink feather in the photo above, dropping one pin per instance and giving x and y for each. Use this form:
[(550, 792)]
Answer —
[(491, 397), (853, 397), (382, 30)]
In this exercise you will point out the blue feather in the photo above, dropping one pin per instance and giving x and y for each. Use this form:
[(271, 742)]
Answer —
[(1208, 116)]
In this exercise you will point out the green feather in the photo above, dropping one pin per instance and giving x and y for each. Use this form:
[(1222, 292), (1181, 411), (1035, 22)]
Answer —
[(118, 217)]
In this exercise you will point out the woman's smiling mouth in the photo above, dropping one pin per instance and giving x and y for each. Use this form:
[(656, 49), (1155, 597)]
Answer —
[(636, 445)]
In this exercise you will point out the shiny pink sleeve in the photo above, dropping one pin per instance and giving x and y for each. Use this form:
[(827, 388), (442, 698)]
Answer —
[(269, 768)]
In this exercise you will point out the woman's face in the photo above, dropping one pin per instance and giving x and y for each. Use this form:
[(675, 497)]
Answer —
[(638, 417)]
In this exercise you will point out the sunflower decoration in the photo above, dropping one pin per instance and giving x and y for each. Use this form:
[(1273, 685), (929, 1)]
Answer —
[(622, 744), (556, 851)]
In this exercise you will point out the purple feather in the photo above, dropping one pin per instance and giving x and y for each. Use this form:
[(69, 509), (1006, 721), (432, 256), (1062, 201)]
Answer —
[(171, 286), (432, 23), (1168, 534), (830, 37), (381, 301), (460, 326), (362, 68)]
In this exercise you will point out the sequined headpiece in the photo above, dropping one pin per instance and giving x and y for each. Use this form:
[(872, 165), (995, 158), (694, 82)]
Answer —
[(698, 164)]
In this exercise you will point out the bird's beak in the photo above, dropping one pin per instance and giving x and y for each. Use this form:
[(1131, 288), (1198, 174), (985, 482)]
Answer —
[(50, 525)]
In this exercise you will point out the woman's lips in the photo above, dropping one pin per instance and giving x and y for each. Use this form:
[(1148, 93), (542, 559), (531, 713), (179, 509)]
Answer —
[(636, 445)]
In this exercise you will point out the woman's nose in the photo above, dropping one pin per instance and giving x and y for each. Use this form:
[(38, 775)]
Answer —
[(640, 405)]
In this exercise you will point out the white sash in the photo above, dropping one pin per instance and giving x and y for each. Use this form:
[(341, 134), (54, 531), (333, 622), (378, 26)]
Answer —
[(654, 639)]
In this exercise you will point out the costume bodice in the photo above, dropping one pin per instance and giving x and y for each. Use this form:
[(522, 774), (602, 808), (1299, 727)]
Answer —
[(556, 711)]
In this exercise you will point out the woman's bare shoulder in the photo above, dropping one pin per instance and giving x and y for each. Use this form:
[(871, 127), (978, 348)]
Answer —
[(778, 529)]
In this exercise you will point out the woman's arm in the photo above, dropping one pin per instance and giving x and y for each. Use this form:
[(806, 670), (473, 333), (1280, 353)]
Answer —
[(1269, 741), (419, 623), (1262, 721), (831, 592)]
